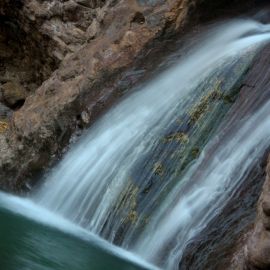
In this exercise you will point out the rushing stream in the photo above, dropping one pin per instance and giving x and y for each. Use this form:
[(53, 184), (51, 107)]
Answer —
[(154, 171)]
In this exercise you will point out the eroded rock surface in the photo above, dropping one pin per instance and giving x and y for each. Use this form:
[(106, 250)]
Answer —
[(257, 250)]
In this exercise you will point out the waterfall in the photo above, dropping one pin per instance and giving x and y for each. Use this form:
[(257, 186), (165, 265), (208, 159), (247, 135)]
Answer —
[(206, 186), (88, 183)]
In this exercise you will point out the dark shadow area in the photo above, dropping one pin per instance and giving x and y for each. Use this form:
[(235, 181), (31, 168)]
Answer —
[(24, 63)]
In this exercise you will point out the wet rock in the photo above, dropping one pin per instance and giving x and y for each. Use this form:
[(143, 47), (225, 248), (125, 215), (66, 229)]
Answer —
[(258, 245), (5, 112), (223, 243), (85, 117)]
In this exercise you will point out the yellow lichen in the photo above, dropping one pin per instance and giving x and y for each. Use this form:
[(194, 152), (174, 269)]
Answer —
[(195, 152), (203, 105), (128, 203), (132, 217), (178, 137), (3, 126), (158, 169)]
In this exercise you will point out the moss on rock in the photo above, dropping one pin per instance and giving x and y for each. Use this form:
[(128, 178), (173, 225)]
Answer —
[(203, 105), (158, 169), (178, 137)]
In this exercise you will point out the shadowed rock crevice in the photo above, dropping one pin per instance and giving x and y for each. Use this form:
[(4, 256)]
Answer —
[(24, 65)]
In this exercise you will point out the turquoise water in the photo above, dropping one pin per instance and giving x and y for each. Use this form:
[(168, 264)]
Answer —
[(29, 245)]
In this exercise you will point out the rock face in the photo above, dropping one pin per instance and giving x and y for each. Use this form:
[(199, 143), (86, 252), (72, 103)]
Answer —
[(258, 245), (257, 250), (252, 252)]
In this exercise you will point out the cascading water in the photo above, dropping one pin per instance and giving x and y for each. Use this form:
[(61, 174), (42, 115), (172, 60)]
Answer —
[(88, 185), (206, 187)]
